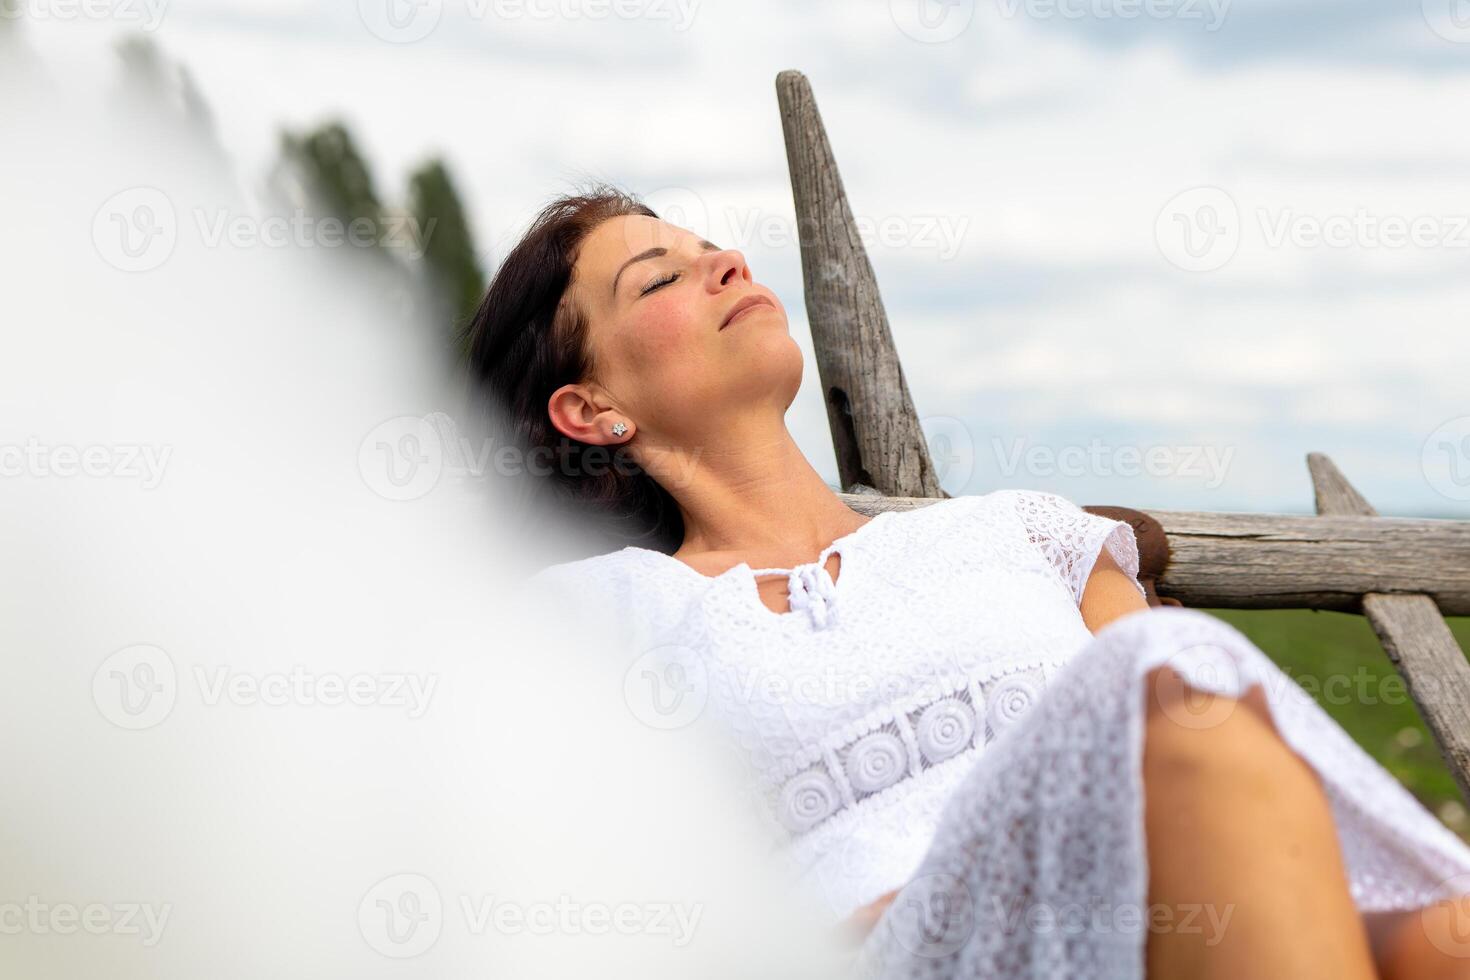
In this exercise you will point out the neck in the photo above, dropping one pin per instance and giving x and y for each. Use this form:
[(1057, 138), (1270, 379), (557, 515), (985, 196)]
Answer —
[(752, 494)]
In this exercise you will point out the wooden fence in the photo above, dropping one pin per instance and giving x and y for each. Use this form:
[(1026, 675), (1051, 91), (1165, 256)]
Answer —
[(1404, 574)]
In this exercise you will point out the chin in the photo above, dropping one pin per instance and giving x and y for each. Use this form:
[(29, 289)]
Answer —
[(779, 365)]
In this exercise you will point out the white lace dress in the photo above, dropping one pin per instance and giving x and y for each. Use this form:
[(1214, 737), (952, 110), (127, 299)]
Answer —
[(941, 720)]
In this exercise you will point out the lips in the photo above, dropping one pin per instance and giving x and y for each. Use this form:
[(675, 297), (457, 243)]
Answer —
[(745, 304)]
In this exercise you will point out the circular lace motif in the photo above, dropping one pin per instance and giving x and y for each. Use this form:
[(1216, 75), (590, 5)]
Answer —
[(807, 799), (1010, 700), (944, 729), (876, 761)]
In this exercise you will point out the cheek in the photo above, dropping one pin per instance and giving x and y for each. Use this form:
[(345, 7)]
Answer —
[(664, 339)]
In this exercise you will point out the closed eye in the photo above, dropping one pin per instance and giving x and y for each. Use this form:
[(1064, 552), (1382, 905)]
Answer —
[(658, 284)]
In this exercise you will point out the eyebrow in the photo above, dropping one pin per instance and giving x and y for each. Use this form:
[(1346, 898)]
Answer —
[(654, 253)]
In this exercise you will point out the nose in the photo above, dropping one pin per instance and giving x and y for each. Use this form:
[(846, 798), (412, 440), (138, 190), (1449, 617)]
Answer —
[(726, 268)]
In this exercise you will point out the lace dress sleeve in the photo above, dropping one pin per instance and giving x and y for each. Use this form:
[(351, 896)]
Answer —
[(1070, 538)]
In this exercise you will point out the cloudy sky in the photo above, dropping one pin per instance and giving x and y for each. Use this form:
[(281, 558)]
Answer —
[(1139, 252)]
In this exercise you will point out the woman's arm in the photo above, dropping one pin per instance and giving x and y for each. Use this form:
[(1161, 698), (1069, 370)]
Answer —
[(1109, 594)]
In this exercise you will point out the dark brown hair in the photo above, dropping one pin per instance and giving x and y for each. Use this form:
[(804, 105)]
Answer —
[(527, 339)]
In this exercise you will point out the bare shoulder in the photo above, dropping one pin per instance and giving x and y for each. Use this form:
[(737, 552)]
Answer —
[(1110, 593)]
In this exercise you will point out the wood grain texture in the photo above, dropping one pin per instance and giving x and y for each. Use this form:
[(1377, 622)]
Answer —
[(1419, 642), (1332, 492), (875, 429), (1286, 561), (1415, 636)]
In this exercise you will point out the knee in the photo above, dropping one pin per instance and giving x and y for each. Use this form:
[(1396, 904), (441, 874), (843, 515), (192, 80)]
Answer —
[(1446, 924), (1197, 739), (1431, 943)]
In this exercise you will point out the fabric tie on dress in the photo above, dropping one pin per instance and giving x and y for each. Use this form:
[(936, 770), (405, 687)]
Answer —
[(812, 589)]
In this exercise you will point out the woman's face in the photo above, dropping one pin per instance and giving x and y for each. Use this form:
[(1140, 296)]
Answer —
[(658, 299)]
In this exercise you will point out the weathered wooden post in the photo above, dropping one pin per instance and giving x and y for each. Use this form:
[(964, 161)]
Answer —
[(1414, 634), (875, 430)]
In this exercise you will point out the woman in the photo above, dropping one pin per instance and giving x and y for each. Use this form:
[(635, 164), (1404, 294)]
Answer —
[(976, 739)]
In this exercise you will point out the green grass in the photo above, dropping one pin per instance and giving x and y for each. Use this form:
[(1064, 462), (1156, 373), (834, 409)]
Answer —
[(1337, 658)]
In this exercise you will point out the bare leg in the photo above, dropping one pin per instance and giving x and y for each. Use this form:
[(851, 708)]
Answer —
[(1424, 944), (1238, 826)]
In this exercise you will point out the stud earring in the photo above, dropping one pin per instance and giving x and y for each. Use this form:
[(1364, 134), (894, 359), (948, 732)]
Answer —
[(619, 428)]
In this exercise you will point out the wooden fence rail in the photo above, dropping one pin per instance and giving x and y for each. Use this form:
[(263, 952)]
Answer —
[(1285, 561)]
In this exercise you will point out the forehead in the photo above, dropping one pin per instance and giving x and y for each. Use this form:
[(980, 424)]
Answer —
[(613, 243), (618, 239)]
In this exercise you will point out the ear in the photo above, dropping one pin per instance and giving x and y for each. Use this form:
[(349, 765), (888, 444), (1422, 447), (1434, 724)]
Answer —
[(580, 412)]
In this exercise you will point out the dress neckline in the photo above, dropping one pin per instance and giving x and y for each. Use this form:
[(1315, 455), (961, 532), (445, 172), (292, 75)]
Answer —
[(745, 576), (836, 545)]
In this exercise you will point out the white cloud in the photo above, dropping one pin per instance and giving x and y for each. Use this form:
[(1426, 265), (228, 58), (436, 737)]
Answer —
[(1052, 151)]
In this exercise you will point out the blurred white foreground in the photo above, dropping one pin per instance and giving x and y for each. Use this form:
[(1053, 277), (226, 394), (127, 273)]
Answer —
[(268, 712)]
